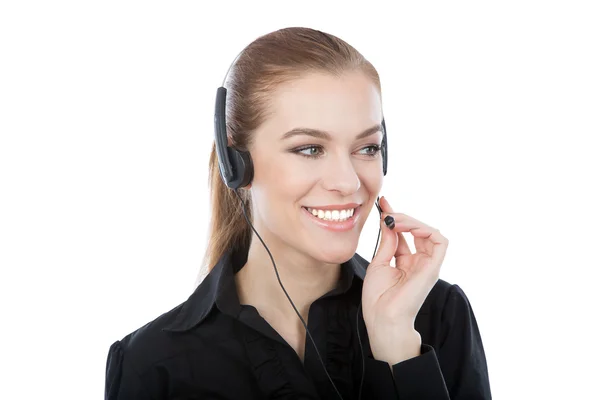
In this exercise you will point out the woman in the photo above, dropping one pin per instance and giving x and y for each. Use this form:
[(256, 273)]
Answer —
[(306, 108)]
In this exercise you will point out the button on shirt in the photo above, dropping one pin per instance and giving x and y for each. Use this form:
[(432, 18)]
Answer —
[(213, 347)]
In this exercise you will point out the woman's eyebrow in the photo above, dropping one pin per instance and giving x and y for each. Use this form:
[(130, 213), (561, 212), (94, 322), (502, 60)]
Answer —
[(327, 136)]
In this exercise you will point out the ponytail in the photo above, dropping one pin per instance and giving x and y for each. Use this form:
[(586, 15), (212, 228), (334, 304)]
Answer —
[(228, 228)]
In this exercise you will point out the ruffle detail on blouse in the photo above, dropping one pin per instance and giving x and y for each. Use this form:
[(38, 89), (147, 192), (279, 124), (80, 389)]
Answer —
[(270, 373), (340, 354)]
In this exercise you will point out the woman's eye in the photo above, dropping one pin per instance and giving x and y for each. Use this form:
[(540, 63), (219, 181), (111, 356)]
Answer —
[(310, 151), (371, 150), (315, 151)]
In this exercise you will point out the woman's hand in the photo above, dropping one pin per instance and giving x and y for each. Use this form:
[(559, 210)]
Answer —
[(392, 296)]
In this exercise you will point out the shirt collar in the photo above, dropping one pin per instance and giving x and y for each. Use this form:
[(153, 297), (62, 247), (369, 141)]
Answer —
[(218, 289)]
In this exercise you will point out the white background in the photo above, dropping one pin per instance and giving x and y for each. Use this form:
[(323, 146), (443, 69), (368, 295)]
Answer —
[(106, 121)]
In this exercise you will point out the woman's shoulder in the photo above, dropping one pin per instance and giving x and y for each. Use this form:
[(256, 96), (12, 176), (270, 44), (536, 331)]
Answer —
[(444, 296), (438, 296), (157, 339), (130, 357), (148, 343), (143, 359), (446, 310), (148, 355)]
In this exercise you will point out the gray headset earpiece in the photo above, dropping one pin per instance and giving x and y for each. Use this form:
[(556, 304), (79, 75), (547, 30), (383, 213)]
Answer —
[(235, 166)]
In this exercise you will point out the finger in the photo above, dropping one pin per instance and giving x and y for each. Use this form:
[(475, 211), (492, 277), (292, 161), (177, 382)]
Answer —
[(428, 240), (387, 247), (435, 245), (425, 237), (385, 205), (387, 209), (421, 231), (408, 222), (402, 248)]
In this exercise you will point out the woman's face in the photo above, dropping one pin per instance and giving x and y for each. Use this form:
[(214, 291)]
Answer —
[(310, 155)]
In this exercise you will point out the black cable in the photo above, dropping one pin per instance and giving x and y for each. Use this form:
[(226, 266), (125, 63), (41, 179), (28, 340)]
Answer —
[(357, 330)]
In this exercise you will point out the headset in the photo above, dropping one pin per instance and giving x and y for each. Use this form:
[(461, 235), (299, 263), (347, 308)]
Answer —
[(237, 171)]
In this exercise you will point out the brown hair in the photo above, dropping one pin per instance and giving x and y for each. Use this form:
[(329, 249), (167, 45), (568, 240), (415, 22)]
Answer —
[(269, 61)]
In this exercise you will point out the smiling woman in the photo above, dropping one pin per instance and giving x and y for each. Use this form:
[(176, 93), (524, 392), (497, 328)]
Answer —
[(329, 157), (298, 163)]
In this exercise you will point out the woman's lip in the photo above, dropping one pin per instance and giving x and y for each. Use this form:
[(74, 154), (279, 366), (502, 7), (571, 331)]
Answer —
[(336, 207), (335, 225)]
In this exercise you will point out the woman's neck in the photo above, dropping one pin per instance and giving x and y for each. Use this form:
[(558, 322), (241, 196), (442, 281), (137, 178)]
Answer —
[(304, 278)]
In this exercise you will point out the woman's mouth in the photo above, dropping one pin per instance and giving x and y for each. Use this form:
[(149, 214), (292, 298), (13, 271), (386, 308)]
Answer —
[(335, 220)]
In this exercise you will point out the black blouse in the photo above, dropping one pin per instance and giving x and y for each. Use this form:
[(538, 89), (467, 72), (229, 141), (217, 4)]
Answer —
[(212, 347)]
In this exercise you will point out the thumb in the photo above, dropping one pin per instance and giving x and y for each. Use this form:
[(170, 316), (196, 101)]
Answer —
[(388, 246)]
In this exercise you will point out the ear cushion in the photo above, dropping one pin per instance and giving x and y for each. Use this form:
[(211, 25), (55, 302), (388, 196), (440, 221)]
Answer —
[(243, 169)]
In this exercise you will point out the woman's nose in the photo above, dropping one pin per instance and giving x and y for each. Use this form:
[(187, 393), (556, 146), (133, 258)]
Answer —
[(340, 175)]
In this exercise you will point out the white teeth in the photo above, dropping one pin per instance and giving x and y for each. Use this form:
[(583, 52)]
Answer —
[(332, 215)]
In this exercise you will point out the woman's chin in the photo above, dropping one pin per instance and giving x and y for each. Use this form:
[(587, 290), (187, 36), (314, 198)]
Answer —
[(333, 255)]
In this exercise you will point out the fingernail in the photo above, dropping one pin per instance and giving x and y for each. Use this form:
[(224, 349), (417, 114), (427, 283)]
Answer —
[(390, 222)]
